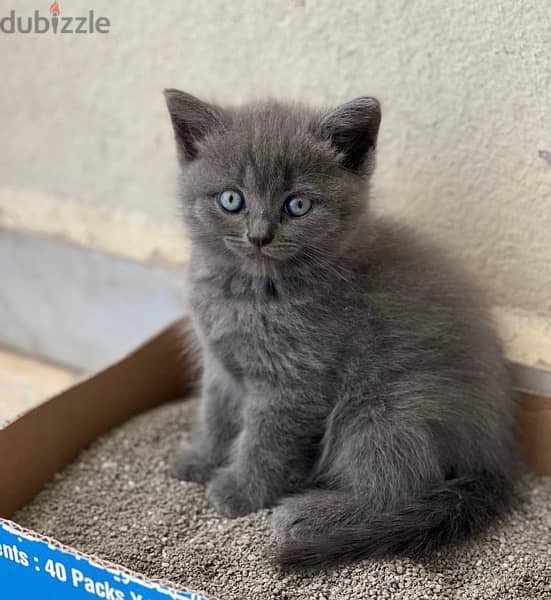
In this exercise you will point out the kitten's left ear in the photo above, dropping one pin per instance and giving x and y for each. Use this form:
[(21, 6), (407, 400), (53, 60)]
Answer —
[(192, 120), (352, 129)]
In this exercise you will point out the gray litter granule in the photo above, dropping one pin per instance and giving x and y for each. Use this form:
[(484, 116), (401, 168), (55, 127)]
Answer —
[(118, 502)]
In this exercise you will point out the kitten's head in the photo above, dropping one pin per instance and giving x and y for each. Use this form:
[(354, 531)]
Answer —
[(273, 185)]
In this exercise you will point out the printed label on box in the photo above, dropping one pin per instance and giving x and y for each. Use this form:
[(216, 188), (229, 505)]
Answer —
[(32, 568)]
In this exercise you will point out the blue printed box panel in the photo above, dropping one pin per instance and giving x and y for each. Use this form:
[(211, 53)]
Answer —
[(32, 568)]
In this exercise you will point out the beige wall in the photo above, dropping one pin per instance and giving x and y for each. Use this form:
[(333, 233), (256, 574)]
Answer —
[(465, 87)]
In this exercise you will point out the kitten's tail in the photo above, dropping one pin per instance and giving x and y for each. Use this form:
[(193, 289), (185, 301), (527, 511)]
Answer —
[(447, 513)]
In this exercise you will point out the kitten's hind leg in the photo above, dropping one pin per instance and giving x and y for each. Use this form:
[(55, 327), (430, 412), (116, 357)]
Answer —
[(380, 492), (218, 424)]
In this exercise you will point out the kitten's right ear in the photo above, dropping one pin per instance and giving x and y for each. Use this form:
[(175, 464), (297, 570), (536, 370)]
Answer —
[(192, 119), (352, 129)]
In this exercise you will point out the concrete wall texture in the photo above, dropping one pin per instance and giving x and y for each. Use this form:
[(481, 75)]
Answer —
[(465, 146)]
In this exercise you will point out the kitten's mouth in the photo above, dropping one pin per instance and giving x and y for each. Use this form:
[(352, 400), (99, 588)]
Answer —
[(276, 251)]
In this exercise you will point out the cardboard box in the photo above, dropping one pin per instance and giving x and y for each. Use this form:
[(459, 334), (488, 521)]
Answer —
[(44, 440)]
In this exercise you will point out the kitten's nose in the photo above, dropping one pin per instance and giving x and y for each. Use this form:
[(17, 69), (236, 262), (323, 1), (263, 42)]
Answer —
[(260, 240)]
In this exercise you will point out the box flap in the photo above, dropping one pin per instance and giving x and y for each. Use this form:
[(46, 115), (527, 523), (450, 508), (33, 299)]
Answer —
[(41, 442)]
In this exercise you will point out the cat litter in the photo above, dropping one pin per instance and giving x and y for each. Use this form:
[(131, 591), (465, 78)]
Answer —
[(118, 502)]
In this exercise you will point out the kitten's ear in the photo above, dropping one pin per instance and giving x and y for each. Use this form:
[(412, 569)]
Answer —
[(192, 119), (352, 129)]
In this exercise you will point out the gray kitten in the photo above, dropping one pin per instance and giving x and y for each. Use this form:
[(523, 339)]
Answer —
[(351, 377)]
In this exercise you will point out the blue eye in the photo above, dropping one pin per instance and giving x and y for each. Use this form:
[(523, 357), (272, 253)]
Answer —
[(231, 200), (297, 206)]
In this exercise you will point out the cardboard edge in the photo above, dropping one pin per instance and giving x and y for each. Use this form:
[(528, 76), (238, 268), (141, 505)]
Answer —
[(531, 379), (44, 440), (534, 427)]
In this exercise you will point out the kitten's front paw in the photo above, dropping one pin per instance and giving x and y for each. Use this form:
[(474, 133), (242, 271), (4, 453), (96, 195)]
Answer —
[(189, 465), (228, 496)]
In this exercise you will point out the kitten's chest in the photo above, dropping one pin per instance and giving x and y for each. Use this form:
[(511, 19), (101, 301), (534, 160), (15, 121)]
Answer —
[(257, 333)]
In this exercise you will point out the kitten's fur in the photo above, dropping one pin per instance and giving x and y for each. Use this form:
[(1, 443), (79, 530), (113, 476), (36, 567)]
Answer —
[(351, 378)]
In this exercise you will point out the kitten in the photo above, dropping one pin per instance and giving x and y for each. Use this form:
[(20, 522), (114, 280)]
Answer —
[(351, 378)]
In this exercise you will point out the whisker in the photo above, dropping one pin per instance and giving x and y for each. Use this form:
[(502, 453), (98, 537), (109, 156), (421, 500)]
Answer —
[(325, 261)]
